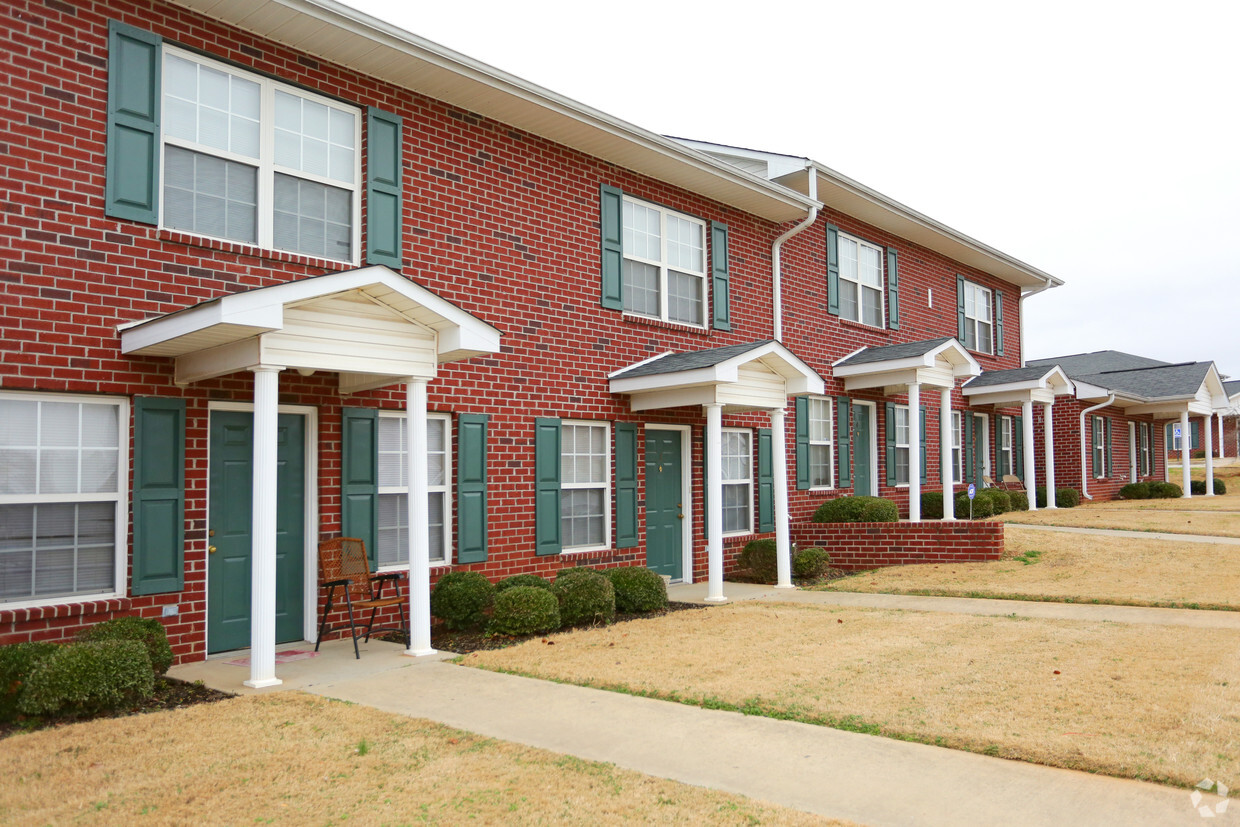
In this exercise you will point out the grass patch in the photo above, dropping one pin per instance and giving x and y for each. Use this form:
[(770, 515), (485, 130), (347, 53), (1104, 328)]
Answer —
[(1214, 516), (1153, 703), (290, 758), (1029, 557)]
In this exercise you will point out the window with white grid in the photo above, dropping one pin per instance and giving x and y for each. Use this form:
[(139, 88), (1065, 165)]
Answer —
[(1005, 446), (585, 494), (901, 444), (249, 159), (392, 529), (664, 264), (978, 318), (737, 467), (62, 468), (957, 443), (821, 442), (861, 281)]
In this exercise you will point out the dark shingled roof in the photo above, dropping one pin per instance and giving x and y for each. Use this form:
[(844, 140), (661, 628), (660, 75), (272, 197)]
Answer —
[(1153, 383), (1231, 388), (1099, 361), (677, 362), (1005, 377), (890, 352)]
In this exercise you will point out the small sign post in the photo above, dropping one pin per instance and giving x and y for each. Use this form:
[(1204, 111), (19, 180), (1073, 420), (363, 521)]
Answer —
[(972, 494)]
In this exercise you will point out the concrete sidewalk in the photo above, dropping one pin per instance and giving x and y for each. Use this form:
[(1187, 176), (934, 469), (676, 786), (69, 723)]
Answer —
[(1140, 535)]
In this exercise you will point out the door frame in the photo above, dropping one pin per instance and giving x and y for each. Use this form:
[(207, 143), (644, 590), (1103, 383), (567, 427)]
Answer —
[(310, 586), (686, 494), (873, 423)]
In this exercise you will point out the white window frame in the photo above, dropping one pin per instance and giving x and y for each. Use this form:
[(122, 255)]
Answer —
[(1145, 467), (1098, 442), (971, 322), (604, 486), (445, 489), (265, 164), (882, 283), (748, 481), (1006, 454), (958, 446), (828, 404), (119, 497), (663, 267), (899, 446)]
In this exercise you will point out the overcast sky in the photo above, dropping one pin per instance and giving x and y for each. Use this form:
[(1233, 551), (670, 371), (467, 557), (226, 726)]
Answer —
[(1097, 141)]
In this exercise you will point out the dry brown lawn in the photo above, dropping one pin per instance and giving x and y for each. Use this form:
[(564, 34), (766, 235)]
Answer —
[(1158, 703), (297, 759), (1077, 568), (1199, 515)]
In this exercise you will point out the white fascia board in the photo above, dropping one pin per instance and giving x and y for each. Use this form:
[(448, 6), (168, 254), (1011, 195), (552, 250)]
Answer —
[(152, 332), (1055, 381), (699, 377), (1085, 390), (889, 366), (628, 368), (848, 356)]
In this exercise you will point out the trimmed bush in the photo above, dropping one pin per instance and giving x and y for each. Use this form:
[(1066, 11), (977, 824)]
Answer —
[(758, 558), (983, 507), (573, 571), (585, 596), (857, 510), (1000, 502), (89, 677), (1220, 487), (1067, 497), (1135, 491), (1165, 491), (1040, 495), (460, 599), (1199, 486), (521, 580), (146, 630), (17, 661), (525, 610), (810, 562), (932, 505), (1020, 500), (637, 589)]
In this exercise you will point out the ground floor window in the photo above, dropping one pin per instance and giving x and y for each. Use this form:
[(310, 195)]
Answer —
[(821, 442), (1005, 446), (62, 518), (1145, 438), (585, 495), (901, 444), (737, 465), (957, 443), (392, 530)]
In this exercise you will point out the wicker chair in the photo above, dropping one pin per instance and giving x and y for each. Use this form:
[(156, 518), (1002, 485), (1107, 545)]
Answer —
[(343, 565)]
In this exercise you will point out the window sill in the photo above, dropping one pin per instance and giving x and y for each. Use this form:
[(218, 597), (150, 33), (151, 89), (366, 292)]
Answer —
[(584, 550), (665, 325), (50, 611), (245, 249), (869, 328)]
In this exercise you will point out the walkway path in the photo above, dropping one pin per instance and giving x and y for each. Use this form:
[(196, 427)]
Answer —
[(1139, 535)]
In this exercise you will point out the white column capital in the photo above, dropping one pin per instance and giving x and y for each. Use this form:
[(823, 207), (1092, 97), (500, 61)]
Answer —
[(265, 368)]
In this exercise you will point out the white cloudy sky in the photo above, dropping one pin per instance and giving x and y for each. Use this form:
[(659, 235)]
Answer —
[(1097, 141)]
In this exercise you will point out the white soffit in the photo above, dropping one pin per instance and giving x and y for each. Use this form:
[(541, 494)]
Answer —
[(342, 35)]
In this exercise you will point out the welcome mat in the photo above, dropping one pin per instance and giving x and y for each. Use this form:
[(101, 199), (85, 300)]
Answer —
[(287, 656)]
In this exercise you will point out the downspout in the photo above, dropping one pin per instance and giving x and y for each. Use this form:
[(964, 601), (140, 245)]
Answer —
[(777, 304), (1020, 315), (1084, 451)]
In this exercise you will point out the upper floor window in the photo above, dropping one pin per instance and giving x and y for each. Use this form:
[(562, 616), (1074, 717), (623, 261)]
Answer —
[(392, 528), (737, 465), (249, 159), (861, 281), (664, 264), (978, 318), (821, 442), (585, 493)]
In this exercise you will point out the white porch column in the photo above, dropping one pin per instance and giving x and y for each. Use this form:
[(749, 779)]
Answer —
[(1207, 439), (914, 452), (779, 468), (419, 528), (947, 468), (1031, 482), (1186, 449), (263, 530), (1221, 452), (714, 504), (1048, 433)]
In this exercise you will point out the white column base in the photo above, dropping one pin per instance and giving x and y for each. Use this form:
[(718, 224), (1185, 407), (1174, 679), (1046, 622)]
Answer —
[(420, 653), (262, 684), (720, 599)]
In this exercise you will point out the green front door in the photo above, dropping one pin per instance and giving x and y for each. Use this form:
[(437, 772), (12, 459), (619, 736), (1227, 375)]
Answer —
[(664, 506), (229, 522), (863, 476)]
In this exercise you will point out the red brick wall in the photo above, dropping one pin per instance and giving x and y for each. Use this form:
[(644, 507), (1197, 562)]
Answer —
[(1067, 432), (860, 546)]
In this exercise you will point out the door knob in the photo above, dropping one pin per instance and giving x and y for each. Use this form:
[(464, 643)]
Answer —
[(211, 549), (680, 516)]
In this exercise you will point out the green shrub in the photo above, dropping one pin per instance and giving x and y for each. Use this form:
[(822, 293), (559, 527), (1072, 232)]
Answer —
[(983, 507), (89, 677), (810, 562), (460, 599), (522, 580), (1135, 491), (573, 571), (758, 557), (637, 589), (585, 596), (1040, 495), (1000, 502), (1067, 497), (1165, 491), (524, 610), (146, 630), (932, 505), (17, 661), (857, 510), (1020, 500), (1199, 486)]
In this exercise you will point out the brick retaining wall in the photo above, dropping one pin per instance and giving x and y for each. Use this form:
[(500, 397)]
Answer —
[(860, 546)]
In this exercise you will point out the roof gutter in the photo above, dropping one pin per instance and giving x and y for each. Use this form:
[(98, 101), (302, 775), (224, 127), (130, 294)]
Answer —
[(1020, 312), (1084, 452), (777, 304)]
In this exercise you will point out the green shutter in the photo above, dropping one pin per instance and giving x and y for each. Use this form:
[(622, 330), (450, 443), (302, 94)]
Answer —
[(833, 270), (998, 323), (922, 422), (158, 495), (626, 485), (970, 448), (1107, 446), (766, 482), (960, 320), (801, 428), (843, 442), (719, 289), (1018, 447), (471, 488), (611, 230), (383, 188), (891, 444), (893, 290), (131, 189), (547, 486), (359, 476)]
